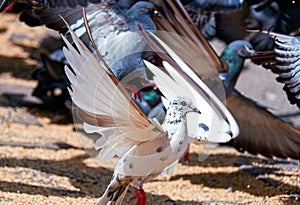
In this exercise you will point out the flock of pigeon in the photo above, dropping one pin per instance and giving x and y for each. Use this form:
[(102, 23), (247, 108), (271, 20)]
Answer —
[(143, 75)]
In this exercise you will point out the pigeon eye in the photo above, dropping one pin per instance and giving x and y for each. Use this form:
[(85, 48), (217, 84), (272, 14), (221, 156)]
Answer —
[(148, 8), (183, 103)]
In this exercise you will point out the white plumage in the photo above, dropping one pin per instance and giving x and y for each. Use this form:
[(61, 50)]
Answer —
[(222, 125), (144, 147)]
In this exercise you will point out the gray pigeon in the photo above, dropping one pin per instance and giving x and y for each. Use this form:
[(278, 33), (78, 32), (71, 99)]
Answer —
[(115, 31), (114, 28)]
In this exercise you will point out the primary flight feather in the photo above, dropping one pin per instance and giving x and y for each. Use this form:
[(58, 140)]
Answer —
[(145, 147)]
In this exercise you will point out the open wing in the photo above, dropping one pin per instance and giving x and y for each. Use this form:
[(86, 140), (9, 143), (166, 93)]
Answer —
[(221, 124), (287, 51), (104, 104), (284, 61), (175, 19), (261, 132)]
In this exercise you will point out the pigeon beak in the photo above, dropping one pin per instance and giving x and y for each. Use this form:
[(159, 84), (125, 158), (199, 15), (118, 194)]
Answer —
[(246, 51), (194, 109), (156, 14)]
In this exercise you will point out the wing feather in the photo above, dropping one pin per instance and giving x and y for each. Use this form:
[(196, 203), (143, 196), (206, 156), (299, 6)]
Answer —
[(225, 127), (102, 102), (261, 131)]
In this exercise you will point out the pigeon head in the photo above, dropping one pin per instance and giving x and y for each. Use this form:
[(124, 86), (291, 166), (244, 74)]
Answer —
[(141, 8), (182, 104), (235, 63), (231, 55)]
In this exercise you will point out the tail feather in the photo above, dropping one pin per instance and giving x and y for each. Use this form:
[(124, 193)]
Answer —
[(115, 192)]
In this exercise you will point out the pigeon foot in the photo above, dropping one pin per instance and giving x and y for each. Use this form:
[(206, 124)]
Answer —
[(140, 196)]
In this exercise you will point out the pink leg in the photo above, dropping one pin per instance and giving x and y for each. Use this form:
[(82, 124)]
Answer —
[(186, 156), (140, 196)]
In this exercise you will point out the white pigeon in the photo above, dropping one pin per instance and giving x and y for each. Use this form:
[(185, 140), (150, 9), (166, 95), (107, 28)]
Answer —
[(145, 147)]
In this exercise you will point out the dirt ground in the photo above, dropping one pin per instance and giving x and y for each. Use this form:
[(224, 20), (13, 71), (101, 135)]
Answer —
[(51, 167)]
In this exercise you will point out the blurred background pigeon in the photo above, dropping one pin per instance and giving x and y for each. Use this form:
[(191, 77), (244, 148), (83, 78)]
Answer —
[(274, 15), (52, 81), (260, 131), (111, 28), (203, 13), (283, 61)]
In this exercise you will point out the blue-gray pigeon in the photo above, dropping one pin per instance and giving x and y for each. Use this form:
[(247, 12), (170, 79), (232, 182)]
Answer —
[(114, 31)]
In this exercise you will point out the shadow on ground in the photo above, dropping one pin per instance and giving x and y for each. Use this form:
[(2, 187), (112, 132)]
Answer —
[(256, 167), (92, 181)]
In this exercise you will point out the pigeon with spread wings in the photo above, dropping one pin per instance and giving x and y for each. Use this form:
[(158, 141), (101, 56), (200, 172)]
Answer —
[(145, 147)]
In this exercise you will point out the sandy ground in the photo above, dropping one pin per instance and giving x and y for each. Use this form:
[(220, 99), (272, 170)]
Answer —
[(51, 167)]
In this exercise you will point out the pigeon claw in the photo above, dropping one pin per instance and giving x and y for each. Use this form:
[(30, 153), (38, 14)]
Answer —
[(140, 196)]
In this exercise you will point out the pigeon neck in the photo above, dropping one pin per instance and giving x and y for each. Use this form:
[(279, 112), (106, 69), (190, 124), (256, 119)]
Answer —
[(175, 117), (175, 125), (131, 15), (235, 64)]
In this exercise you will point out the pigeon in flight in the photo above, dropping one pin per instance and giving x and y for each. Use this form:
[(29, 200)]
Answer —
[(145, 147)]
